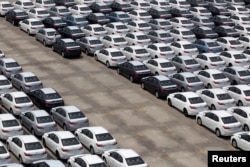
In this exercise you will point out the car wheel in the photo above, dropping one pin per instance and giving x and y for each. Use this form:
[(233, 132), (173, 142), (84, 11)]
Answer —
[(65, 127), (107, 64), (213, 107), (157, 94), (20, 159), (44, 143), (11, 111), (199, 121), (209, 86), (245, 128), (225, 49), (181, 70), (44, 43), (156, 73), (182, 89), (234, 143), (86, 52), (53, 49), (142, 86), (118, 71), (131, 78), (170, 103), (110, 46), (13, 22), (33, 132), (19, 27), (8, 146), (185, 112), (156, 56), (133, 44), (96, 58), (28, 32), (206, 67), (217, 132), (91, 149), (234, 82), (131, 59), (230, 65), (21, 89), (179, 54), (240, 103), (58, 155), (63, 54)]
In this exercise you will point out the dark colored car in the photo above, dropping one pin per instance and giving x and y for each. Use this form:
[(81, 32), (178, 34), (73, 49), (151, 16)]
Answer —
[(16, 15), (134, 70), (226, 31), (54, 22), (222, 20), (121, 6), (161, 86), (75, 20), (66, 3), (181, 12), (218, 10), (159, 13), (197, 3), (100, 8), (67, 47), (72, 32), (204, 32), (46, 98), (97, 18)]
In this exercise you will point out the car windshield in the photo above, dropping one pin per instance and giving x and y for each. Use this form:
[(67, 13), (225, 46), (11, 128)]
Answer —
[(63, 10), (28, 4), (98, 29), (190, 62), (81, 20), (48, 2), (248, 29), (206, 21), (242, 9), (51, 33), (10, 123), (186, 22), (189, 46), (43, 12), (165, 49), (163, 12), (144, 4), (239, 56), (76, 31), (247, 92), (187, 33), (244, 73), (2, 150), (95, 42), (21, 14), (70, 141), (31, 79), (69, 44), (125, 5), (165, 35), (209, 32), (141, 51), (212, 44), (33, 146), (121, 27), (44, 119), (229, 30), (143, 25), (234, 42), (228, 120), (192, 79), (84, 9), (20, 100), (12, 64), (141, 37), (223, 96), (58, 21), (219, 76), (50, 96), (184, 12), (166, 65), (183, 3), (167, 83), (225, 20), (195, 100), (121, 39), (98, 165), (123, 16), (116, 54), (164, 23), (245, 18), (36, 23), (215, 59), (164, 4), (143, 14), (76, 115), (104, 7), (140, 68), (4, 82), (101, 18), (7, 5), (104, 137), (134, 161)]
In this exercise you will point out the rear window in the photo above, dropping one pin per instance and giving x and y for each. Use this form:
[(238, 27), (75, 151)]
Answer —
[(195, 100), (219, 76), (52, 96), (58, 21), (140, 67), (215, 59), (2, 150), (245, 18), (186, 22), (48, 2), (7, 5), (144, 4), (98, 29), (36, 23), (164, 49), (234, 42), (101, 18), (206, 21), (189, 46), (143, 25), (187, 33), (247, 92), (239, 56), (98, 165), (166, 65), (63, 10), (209, 32), (204, 11), (244, 73), (229, 30), (164, 35), (27, 4), (21, 14), (125, 5), (31, 79), (81, 20), (20, 100), (51, 33), (164, 23), (144, 14), (84, 9), (223, 96), (228, 120), (76, 115), (4, 82), (10, 123), (12, 64), (70, 44), (190, 62), (193, 79), (183, 3), (242, 9), (95, 42), (141, 51), (167, 83), (134, 161), (76, 31), (121, 27), (119, 40), (33, 146), (43, 12), (103, 137), (141, 37), (44, 119), (116, 54), (70, 141), (213, 44)]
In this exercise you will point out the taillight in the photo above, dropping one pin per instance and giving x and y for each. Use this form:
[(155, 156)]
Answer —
[(188, 67), (64, 150), (247, 99), (113, 59), (3, 130), (242, 79), (27, 154), (71, 122), (18, 107), (216, 82), (99, 145), (212, 64), (27, 85), (39, 127), (163, 70), (190, 85), (137, 56), (115, 143), (33, 27), (220, 103), (226, 127), (192, 107)]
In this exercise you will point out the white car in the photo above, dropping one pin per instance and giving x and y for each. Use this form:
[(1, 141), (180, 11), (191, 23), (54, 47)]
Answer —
[(235, 58), (179, 4), (243, 30), (210, 61), (202, 21), (81, 10), (137, 38), (116, 28), (181, 22), (138, 53), (9, 67), (160, 4), (107, 2), (216, 98), (16, 102), (213, 78), (139, 15), (46, 4), (200, 11), (160, 50), (182, 34), (237, 10), (158, 36), (2, 54), (185, 64), (48, 163), (27, 148), (24, 5), (219, 121), (184, 48), (140, 5), (230, 44), (240, 19), (241, 140), (9, 126), (242, 114), (111, 57), (240, 93), (95, 30), (138, 26), (5, 6), (160, 24), (123, 158), (96, 139), (189, 103), (31, 26), (5, 85), (87, 159), (62, 143), (85, 2), (217, 3), (235, 2), (38, 13), (161, 66), (4, 155), (245, 40), (114, 41)]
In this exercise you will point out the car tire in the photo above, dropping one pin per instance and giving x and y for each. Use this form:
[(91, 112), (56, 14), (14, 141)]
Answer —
[(44, 43), (86, 52), (118, 71), (13, 22), (63, 54), (239, 103), (157, 94), (142, 86), (245, 128), (181, 70), (209, 86), (11, 111), (217, 132), (8, 146), (185, 112), (91, 150), (96, 58), (65, 127), (131, 59), (170, 103), (107, 64), (225, 49), (230, 65), (199, 121), (53, 49), (156, 56), (234, 143), (205, 67), (58, 155), (28, 32), (182, 89), (44, 143), (156, 73), (131, 78), (20, 159), (234, 82), (213, 107), (33, 132)]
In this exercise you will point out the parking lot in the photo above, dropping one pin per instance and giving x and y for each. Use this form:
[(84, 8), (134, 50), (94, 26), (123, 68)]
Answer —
[(161, 134)]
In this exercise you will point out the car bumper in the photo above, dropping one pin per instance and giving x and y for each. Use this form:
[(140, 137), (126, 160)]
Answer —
[(99, 150), (40, 132), (230, 132), (5, 160), (28, 160), (66, 155), (19, 111), (5, 136), (78, 125)]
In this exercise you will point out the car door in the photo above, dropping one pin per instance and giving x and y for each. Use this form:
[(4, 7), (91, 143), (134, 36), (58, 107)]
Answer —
[(17, 80), (176, 100), (59, 116), (16, 146), (79, 162), (86, 138), (153, 84), (152, 65), (28, 120), (244, 142), (52, 142), (207, 119), (208, 97), (7, 101), (240, 115), (115, 159), (37, 98)]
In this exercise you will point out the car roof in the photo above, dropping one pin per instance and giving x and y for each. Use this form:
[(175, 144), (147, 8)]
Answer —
[(161, 77), (2, 77), (99, 14), (8, 60), (52, 162), (18, 10), (91, 38), (76, 16), (160, 31), (49, 29), (117, 23), (27, 74), (39, 9), (238, 68), (39, 113), (12, 165), (227, 27), (66, 40), (138, 33), (32, 19), (161, 60), (205, 28), (207, 40), (47, 90), (198, 7), (98, 129), (56, 18), (115, 36), (221, 113), (213, 71), (243, 87), (182, 29), (187, 74), (183, 42), (136, 63), (181, 18), (5, 2), (27, 138), (127, 153), (60, 7), (188, 94), (18, 94), (136, 47), (6, 116), (185, 57), (159, 44), (217, 90), (63, 134), (72, 27), (92, 159), (229, 38), (112, 49), (233, 52), (245, 108), (94, 25), (210, 54), (70, 109), (139, 21)]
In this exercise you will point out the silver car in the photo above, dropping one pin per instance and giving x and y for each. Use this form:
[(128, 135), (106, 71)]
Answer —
[(11, 165), (160, 36), (69, 117), (26, 81), (47, 36), (187, 81), (4, 154), (185, 64), (90, 44), (38, 122), (9, 67), (160, 24), (48, 163), (5, 85), (237, 75)]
